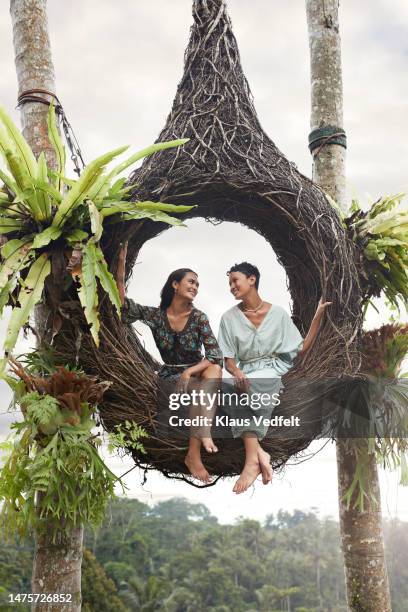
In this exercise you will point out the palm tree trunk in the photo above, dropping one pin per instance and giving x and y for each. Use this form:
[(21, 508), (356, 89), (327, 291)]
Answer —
[(362, 536), (361, 532), (34, 68), (326, 94), (57, 569), (57, 565)]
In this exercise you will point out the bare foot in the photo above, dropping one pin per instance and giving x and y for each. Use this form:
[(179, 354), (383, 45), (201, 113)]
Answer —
[(248, 476), (196, 468), (265, 462), (209, 445)]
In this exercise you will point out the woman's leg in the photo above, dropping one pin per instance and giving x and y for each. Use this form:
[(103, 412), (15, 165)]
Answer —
[(264, 459), (252, 467), (193, 457), (202, 434), (193, 460), (265, 381), (211, 378)]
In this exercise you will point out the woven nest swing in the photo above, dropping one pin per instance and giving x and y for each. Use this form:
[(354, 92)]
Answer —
[(233, 172)]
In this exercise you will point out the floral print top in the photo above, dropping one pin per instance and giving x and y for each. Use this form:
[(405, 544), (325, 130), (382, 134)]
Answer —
[(179, 350)]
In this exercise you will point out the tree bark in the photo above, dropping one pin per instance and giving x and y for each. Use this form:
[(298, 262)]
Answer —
[(57, 569), (362, 537), (327, 94), (35, 69), (361, 532), (57, 566)]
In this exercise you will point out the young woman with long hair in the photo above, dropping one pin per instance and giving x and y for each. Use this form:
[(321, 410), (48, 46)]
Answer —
[(180, 331)]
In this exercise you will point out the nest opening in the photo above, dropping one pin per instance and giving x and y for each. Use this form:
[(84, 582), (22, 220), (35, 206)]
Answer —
[(122, 359), (233, 172)]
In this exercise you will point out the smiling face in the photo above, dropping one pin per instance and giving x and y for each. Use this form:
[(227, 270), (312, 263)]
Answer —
[(187, 288), (240, 284)]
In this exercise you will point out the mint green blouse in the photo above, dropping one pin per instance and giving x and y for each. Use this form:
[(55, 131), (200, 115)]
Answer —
[(273, 345)]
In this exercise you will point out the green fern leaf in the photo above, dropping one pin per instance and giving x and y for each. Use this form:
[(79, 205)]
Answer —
[(42, 196), (47, 236), (105, 278), (82, 188), (28, 297), (17, 257), (19, 144), (88, 291), (55, 139)]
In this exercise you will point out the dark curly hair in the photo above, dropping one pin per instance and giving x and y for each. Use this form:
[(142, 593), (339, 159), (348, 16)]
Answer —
[(247, 269)]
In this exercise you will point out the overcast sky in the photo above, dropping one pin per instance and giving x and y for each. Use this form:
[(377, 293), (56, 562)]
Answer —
[(117, 67)]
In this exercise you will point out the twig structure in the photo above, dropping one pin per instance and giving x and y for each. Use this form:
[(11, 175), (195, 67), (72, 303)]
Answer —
[(234, 172)]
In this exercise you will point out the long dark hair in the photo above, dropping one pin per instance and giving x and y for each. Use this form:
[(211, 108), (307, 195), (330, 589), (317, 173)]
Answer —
[(167, 293)]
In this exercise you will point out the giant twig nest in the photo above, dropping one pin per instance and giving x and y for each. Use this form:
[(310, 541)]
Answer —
[(234, 172)]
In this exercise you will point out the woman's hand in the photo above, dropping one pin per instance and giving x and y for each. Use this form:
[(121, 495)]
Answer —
[(183, 382), (315, 326), (241, 381), (321, 307)]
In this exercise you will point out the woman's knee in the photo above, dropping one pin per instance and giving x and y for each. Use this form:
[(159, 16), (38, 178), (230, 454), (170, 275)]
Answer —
[(213, 371)]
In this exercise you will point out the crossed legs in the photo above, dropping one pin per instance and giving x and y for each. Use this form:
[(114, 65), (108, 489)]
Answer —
[(257, 461)]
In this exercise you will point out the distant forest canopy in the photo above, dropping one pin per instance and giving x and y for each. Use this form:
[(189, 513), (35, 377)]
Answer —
[(176, 557)]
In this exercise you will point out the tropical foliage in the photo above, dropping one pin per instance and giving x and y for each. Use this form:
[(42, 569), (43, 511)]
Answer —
[(126, 436), (43, 212), (52, 473), (176, 557), (381, 236), (384, 351), (377, 410), (101, 591), (381, 233)]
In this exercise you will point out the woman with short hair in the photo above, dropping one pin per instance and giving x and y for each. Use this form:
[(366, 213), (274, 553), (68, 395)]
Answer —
[(259, 342)]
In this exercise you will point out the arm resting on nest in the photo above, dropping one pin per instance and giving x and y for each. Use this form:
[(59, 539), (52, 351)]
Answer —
[(314, 327), (131, 311)]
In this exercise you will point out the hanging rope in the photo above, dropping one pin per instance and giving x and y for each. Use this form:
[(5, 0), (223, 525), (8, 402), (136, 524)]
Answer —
[(37, 96)]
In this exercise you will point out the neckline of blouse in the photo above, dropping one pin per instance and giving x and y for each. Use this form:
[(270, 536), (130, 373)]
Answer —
[(250, 322), (186, 326)]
